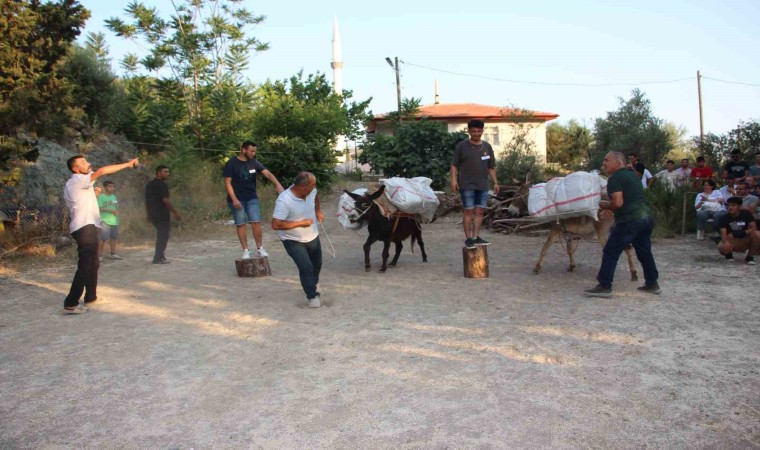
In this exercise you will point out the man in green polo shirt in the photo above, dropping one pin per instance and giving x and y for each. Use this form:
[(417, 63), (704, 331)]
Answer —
[(109, 219), (633, 226)]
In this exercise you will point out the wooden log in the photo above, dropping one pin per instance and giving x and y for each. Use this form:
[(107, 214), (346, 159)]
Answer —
[(253, 267), (475, 262)]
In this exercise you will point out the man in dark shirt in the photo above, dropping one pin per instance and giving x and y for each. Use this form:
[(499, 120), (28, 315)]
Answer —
[(633, 225), (735, 170), (636, 165), (472, 164), (240, 182), (738, 231), (158, 206)]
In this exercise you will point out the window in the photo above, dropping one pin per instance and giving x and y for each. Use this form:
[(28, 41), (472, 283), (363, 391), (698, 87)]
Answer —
[(491, 135)]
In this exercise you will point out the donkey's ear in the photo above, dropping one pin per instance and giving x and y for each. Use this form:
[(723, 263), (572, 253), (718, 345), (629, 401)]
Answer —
[(352, 195), (378, 193)]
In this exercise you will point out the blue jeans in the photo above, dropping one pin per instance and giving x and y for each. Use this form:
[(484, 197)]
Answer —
[(472, 198), (308, 258), (638, 233), (250, 210), (703, 216)]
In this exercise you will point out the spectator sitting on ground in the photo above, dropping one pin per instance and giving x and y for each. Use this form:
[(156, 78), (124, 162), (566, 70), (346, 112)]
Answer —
[(669, 177), (738, 232), (752, 187), (709, 205), (700, 173), (736, 170)]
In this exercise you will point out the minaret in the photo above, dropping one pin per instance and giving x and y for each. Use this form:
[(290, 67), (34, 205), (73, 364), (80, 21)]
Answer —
[(337, 62)]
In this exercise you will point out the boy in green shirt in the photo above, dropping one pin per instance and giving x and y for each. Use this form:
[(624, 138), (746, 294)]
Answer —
[(109, 218)]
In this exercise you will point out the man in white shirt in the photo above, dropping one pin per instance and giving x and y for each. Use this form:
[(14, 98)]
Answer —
[(684, 171), (669, 177), (79, 195), (646, 178), (296, 216)]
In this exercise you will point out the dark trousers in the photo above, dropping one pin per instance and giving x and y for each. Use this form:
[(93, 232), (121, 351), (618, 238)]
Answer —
[(638, 233), (162, 239), (86, 278), (308, 258)]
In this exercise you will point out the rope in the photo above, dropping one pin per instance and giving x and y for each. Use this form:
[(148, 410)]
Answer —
[(328, 240)]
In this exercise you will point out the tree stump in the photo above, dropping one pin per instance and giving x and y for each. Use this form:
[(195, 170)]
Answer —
[(475, 262), (254, 267)]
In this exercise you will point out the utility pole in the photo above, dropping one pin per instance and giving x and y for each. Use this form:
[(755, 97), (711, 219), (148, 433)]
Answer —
[(701, 120), (398, 84)]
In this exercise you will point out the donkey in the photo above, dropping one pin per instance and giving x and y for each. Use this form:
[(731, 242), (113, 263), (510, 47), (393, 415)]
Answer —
[(394, 229), (572, 228)]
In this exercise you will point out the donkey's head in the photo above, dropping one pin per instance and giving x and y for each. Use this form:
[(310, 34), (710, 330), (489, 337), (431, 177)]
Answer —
[(364, 206)]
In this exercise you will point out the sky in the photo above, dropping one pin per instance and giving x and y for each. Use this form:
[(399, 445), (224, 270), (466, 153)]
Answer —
[(533, 55)]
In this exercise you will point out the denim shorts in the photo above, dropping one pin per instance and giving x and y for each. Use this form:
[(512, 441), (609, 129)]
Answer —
[(250, 210), (472, 198), (108, 231)]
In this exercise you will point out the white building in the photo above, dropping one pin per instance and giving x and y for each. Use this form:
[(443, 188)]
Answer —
[(501, 124)]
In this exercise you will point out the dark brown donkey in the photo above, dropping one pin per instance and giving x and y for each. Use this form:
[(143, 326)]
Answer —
[(394, 229)]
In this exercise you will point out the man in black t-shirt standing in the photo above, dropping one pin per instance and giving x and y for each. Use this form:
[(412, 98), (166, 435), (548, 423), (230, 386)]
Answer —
[(636, 165), (738, 231), (240, 182), (158, 206), (472, 164), (735, 170)]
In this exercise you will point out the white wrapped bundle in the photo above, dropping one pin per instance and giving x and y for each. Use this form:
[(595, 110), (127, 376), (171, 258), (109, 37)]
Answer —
[(347, 210), (577, 194), (413, 196)]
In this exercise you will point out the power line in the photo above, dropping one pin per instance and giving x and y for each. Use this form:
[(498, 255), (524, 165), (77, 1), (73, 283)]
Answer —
[(730, 82), (542, 83)]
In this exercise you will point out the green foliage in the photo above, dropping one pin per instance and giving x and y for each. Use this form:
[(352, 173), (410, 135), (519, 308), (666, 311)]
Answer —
[(667, 207), (410, 108), (631, 129), (203, 48), (297, 122), (568, 145), (717, 148), (519, 154), (36, 40), (92, 84), (418, 149)]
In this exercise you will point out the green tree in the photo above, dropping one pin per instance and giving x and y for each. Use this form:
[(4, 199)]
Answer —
[(519, 152), (632, 128), (419, 148), (296, 124), (717, 148), (568, 145), (203, 49), (37, 38)]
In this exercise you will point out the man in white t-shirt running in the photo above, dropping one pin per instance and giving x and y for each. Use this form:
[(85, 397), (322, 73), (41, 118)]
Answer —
[(296, 217), (79, 195)]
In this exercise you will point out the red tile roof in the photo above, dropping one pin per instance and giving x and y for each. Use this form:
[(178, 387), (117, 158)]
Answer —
[(449, 111)]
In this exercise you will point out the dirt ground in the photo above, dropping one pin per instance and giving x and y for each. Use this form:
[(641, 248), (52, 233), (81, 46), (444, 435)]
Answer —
[(188, 355)]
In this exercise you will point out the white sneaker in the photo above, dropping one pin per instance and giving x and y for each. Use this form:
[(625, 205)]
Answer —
[(261, 252), (313, 303), (115, 256), (246, 254)]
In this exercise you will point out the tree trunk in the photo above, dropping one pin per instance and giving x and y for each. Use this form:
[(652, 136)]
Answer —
[(475, 262), (254, 267)]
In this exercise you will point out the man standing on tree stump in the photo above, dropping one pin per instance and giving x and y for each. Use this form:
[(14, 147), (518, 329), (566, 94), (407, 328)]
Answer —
[(158, 206), (296, 217), (84, 213), (240, 182), (472, 165)]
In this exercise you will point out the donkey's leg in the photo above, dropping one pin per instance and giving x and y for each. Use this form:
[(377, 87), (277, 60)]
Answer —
[(422, 245), (386, 247), (367, 246), (399, 246), (553, 234), (571, 253), (631, 267)]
